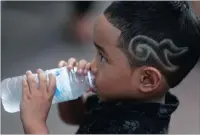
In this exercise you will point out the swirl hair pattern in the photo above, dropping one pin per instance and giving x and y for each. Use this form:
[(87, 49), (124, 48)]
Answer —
[(142, 48)]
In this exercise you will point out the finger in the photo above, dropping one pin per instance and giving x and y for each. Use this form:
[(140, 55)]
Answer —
[(62, 63), (25, 88), (88, 90), (52, 85), (31, 81), (81, 66), (71, 63), (42, 80), (87, 68)]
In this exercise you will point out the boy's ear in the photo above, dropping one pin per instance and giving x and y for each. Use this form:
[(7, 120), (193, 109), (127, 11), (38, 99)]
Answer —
[(150, 79)]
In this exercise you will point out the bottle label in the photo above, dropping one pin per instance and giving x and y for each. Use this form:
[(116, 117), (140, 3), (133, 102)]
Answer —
[(63, 89)]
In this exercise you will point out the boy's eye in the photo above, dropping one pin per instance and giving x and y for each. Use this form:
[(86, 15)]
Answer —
[(102, 58)]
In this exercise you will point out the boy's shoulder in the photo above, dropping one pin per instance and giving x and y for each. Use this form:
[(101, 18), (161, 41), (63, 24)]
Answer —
[(128, 117)]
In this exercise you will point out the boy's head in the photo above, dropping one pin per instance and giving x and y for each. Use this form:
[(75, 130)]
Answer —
[(144, 48)]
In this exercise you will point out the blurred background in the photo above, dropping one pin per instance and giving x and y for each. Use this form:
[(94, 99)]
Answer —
[(39, 34)]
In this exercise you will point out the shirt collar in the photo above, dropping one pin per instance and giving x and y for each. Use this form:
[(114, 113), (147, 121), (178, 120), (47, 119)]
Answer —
[(164, 109)]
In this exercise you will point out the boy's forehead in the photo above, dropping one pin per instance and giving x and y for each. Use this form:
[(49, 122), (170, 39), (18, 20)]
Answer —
[(105, 33)]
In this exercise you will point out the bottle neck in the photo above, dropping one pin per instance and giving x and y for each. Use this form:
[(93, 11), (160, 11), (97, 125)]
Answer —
[(89, 78)]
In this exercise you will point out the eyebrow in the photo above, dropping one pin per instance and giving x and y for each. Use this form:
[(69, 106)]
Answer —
[(100, 48)]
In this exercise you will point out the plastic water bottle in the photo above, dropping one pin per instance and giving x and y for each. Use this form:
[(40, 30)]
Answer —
[(69, 86)]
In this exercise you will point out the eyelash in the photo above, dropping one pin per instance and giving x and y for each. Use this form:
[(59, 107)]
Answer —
[(102, 58)]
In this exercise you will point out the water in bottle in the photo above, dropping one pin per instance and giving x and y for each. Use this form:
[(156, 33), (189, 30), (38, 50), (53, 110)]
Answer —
[(69, 86)]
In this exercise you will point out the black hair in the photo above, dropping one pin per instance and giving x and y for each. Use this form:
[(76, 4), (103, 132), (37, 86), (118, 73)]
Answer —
[(162, 34)]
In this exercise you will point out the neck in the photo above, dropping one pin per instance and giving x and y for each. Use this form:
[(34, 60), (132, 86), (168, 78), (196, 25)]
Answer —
[(158, 100)]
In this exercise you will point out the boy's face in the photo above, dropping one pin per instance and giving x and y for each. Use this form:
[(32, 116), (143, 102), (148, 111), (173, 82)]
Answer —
[(114, 76)]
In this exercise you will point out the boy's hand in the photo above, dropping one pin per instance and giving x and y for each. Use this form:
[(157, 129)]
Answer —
[(82, 66), (36, 102)]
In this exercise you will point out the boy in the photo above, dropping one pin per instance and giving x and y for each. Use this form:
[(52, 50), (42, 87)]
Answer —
[(143, 50)]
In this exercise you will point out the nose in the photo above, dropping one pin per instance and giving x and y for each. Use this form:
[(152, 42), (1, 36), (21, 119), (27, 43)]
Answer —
[(94, 67)]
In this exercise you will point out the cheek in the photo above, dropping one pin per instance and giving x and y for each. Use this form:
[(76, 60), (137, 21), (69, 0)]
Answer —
[(111, 81), (94, 65)]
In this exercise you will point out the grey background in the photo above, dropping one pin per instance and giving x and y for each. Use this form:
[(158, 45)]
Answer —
[(31, 39)]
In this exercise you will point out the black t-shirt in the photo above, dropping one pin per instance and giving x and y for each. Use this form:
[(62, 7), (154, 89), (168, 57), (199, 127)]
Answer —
[(128, 117)]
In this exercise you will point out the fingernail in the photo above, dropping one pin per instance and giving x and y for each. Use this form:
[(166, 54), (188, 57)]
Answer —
[(28, 72), (85, 71), (50, 74), (80, 71), (69, 67)]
